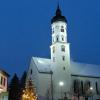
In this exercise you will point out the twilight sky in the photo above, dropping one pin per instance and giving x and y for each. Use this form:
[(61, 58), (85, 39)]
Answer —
[(25, 31)]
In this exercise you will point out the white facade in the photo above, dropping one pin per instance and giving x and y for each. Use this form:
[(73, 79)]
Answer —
[(3, 85), (56, 78)]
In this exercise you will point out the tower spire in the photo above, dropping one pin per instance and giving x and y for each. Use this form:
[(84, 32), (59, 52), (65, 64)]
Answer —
[(58, 11)]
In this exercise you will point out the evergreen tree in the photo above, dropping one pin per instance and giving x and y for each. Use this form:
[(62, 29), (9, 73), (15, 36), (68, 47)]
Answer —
[(14, 88), (30, 92)]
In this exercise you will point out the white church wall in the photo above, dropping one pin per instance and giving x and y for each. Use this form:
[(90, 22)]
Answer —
[(33, 74), (44, 84)]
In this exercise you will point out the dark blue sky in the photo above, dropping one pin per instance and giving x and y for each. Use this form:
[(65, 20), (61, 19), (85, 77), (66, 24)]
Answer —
[(25, 31)]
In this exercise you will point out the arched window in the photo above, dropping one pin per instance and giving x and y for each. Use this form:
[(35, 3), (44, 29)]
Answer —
[(57, 38), (53, 49), (63, 58), (63, 48), (31, 72), (62, 37)]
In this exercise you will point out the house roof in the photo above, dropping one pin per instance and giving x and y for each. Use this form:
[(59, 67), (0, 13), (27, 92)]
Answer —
[(78, 69), (4, 73)]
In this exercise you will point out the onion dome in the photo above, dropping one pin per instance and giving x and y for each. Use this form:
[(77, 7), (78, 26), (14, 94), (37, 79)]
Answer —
[(58, 16)]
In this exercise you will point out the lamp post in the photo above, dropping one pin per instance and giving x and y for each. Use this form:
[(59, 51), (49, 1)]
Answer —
[(51, 85), (61, 84)]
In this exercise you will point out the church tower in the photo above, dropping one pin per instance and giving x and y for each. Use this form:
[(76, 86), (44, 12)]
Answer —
[(60, 56)]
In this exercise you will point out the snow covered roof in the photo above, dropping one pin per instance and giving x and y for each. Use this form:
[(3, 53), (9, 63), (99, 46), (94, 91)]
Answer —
[(42, 64), (83, 69)]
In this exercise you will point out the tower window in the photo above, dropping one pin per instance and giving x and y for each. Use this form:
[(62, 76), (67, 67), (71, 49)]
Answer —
[(63, 48), (63, 58), (62, 26), (62, 38), (57, 37), (62, 30), (53, 49)]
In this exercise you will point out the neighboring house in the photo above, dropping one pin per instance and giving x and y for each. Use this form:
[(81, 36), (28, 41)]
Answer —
[(3, 85), (59, 77)]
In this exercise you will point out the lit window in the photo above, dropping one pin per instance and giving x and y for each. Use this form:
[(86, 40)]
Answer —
[(63, 48), (63, 58), (53, 49)]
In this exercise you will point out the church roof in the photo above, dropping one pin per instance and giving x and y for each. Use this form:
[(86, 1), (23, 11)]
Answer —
[(42, 64), (83, 69), (78, 69), (58, 16)]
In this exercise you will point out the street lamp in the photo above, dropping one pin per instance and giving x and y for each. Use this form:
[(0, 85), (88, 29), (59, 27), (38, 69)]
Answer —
[(61, 84), (91, 88)]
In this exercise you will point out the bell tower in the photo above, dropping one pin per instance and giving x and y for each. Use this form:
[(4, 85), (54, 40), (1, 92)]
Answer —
[(60, 56)]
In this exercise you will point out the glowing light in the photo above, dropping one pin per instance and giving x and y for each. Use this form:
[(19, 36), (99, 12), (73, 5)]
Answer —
[(61, 83), (1, 89), (91, 88)]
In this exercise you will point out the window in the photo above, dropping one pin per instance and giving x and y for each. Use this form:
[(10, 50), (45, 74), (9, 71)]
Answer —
[(57, 38), (63, 58), (63, 48), (1, 80), (31, 72), (62, 38), (62, 28), (4, 82), (96, 84), (63, 68), (53, 59), (53, 49)]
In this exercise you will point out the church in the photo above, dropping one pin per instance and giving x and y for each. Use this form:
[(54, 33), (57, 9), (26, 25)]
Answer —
[(60, 78)]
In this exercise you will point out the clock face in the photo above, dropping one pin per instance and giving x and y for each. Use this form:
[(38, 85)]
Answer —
[(57, 27)]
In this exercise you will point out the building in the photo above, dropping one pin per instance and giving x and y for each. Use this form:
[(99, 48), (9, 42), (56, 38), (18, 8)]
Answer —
[(59, 77), (3, 85)]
